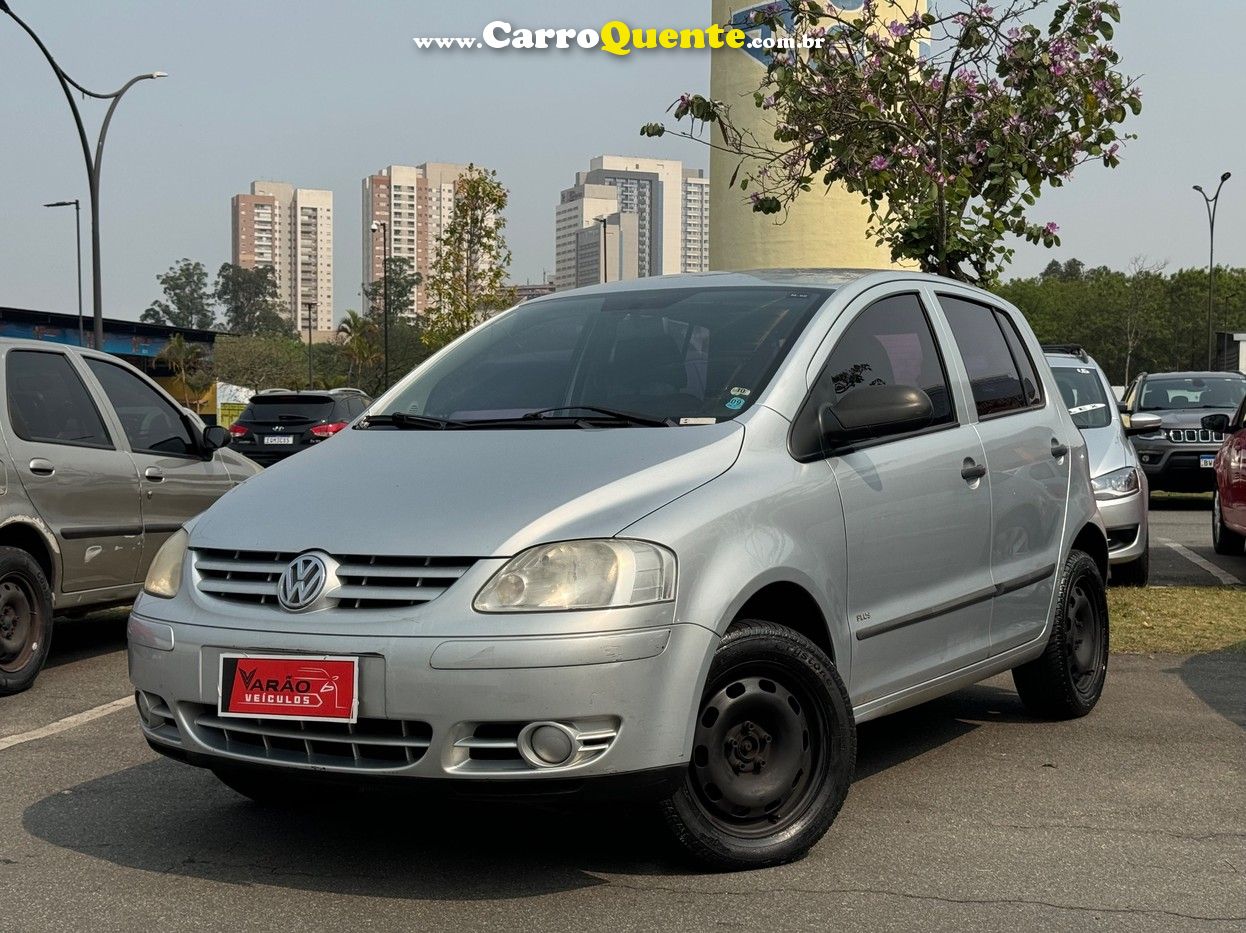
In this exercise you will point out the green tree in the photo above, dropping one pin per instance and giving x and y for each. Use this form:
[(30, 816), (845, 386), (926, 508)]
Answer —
[(187, 299), (360, 341), (948, 124), (262, 361), (250, 300), (468, 276), (402, 278)]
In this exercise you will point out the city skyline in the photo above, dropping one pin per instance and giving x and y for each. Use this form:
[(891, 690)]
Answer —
[(325, 125)]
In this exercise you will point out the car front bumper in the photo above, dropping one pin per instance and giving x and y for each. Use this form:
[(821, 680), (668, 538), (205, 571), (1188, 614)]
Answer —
[(1126, 523), (442, 708), (1176, 467)]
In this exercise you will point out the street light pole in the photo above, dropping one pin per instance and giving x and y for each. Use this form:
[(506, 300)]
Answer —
[(77, 206), (604, 274), (1211, 204), (311, 306), (92, 161), (383, 227)]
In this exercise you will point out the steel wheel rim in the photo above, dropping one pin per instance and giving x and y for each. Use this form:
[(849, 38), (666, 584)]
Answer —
[(1083, 628), (761, 750), (19, 623)]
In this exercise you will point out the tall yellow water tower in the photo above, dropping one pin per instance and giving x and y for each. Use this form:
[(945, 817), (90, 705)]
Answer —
[(826, 230)]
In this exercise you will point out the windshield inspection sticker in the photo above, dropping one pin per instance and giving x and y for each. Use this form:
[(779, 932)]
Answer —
[(698, 421), (735, 404), (1095, 406), (737, 390)]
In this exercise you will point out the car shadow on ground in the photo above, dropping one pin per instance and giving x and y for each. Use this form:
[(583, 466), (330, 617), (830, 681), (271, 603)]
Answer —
[(1216, 679), (169, 818), (1182, 502), (75, 639)]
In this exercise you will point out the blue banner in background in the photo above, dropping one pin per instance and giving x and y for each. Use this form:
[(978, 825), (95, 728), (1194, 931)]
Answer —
[(117, 344)]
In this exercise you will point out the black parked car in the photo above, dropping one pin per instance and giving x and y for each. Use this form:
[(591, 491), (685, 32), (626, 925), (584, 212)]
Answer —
[(278, 423), (1179, 456)]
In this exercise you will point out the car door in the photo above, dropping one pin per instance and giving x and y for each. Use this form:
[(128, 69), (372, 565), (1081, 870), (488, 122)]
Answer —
[(1232, 482), (1027, 458), (917, 514), (82, 485), (177, 480)]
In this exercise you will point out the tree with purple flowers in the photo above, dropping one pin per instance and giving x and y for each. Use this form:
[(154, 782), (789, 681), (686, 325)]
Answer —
[(949, 124)]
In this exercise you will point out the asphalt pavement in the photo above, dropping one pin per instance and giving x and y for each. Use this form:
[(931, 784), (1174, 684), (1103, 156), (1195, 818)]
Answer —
[(966, 815), (1181, 552)]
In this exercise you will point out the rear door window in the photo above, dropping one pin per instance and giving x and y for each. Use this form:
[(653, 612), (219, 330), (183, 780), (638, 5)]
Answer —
[(48, 403), (1003, 379), (279, 409)]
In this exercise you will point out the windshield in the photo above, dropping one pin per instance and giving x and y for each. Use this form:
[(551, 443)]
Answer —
[(680, 356), (288, 408), (1084, 395), (1169, 392)]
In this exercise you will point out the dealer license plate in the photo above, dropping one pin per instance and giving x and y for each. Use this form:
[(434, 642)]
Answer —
[(278, 439), (310, 687), (1207, 461)]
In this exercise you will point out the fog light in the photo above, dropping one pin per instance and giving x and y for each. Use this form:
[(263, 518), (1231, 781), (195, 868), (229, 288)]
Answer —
[(547, 744)]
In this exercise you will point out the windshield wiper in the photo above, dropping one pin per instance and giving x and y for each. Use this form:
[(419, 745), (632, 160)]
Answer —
[(613, 413), (405, 421)]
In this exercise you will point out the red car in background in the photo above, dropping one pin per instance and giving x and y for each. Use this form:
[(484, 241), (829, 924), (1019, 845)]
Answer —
[(1228, 514)]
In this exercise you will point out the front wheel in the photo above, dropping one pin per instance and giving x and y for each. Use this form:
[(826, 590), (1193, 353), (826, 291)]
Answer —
[(1224, 540), (773, 752), (1067, 680)]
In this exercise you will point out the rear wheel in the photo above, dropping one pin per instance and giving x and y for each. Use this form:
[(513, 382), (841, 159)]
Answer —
[(1224, 540), (1067, 680), (25, 620), (773, 752)]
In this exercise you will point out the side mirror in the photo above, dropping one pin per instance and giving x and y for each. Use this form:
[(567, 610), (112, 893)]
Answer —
[(1141, 422), (1218, 424), (214, 438), (875, 411)]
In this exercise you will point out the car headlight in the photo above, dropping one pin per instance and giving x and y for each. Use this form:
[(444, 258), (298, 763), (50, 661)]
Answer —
[(1117, 484), (590, 574), (164, 576)]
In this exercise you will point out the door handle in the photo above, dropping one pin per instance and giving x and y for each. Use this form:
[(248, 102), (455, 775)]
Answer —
[(970, 471), (41, 467), (155, 474), (1058, 450)]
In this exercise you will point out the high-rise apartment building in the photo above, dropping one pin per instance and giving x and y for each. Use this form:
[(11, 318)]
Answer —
[(671, 209), (290, 230), (410, 204)]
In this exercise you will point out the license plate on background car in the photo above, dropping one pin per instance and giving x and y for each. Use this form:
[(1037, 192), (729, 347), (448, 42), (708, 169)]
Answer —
[(1207, 461), (321, 688), (279, 439)]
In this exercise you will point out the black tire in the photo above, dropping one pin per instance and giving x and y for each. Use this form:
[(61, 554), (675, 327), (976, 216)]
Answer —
[(25, 620), (1224, 540), (279, 789), (1135, 573), (775, 730), (1067, 680)]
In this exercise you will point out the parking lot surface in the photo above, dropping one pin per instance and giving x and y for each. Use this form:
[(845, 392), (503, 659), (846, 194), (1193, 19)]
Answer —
[(965, 815), (1181, 552)]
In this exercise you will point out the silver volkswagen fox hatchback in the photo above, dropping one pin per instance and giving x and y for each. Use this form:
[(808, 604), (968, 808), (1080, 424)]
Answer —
[(671, 538)]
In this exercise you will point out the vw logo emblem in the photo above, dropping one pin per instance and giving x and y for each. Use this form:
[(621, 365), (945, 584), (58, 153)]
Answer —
[(302, 582)]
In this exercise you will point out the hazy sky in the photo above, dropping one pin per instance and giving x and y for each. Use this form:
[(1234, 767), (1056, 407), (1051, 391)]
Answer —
[(321, 93)]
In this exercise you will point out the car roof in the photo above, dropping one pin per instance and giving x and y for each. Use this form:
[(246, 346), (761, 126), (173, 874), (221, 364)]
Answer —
[(269, 392), (1062, 360), (829, 279), (1193, 374)]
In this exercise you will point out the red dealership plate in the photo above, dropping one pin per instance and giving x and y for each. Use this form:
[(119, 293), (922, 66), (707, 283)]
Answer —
[(310, 687)]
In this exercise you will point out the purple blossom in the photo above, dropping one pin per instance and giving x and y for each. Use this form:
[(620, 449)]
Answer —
[(879, 163), (1051, 228), (899, 29), (768, 102)]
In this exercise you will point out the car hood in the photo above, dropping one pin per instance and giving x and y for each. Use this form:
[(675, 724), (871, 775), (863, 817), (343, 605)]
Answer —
[(1108, 449), (482, 493)]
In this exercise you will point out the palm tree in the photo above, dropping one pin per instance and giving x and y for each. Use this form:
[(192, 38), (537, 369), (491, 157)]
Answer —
[(187, 362), (360, 342)]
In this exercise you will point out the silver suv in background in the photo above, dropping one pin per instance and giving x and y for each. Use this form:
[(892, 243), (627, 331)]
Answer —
[(1120, 485), (670, 538), (98, 467)]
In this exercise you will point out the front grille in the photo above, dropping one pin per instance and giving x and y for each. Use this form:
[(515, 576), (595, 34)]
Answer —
[(369, 744), (363, 581), (1194, 436)]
